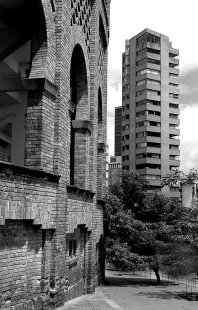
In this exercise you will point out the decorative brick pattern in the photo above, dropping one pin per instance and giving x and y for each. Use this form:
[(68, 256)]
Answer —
[(81, 15)]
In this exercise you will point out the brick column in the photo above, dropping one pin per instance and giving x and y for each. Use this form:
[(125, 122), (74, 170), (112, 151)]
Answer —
[(40, 123), (81, 159), (101, 171), (91, 264)]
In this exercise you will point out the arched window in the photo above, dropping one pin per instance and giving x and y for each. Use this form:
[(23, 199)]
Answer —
[(99, 106), (79, 146)]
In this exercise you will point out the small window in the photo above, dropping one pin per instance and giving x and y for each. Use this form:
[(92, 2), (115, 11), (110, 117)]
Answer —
[(72, 248)]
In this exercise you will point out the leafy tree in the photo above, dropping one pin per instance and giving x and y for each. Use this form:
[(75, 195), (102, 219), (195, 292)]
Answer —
[(142, 228), (178, 177)]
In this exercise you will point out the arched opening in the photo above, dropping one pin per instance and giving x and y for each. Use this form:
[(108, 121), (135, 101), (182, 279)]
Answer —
[(101, 147), (78, 83), (99, 106), (79, 116), (19, 19)]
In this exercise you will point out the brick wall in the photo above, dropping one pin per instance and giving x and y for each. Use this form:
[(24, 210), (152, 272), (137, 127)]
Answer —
[(3, 153), (42, 215)]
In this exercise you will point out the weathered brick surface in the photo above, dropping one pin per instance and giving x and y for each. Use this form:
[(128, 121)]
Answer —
[(51, 228)]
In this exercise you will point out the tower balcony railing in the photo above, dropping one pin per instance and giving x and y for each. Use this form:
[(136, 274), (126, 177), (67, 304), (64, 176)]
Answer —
[(174, 70), (174, 131), (173, 162), (149, 171), (174, 111), (173, 52), (148, 160), (175, 152), (173, 141)]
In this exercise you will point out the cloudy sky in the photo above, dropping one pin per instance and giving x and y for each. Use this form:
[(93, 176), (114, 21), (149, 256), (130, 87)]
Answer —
[(178, 20)]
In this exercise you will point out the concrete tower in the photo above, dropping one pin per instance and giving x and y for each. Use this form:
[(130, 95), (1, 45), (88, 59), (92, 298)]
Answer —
[(150, 99)]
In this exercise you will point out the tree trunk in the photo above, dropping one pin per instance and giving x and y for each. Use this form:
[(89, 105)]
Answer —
[(157, 275)]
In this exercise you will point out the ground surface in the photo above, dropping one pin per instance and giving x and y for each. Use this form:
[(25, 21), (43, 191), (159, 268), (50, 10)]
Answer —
[(132, 292)]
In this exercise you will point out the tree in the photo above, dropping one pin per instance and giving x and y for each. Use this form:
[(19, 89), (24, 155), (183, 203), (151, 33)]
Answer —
[(177, 177), (181, 258), (138, 226)]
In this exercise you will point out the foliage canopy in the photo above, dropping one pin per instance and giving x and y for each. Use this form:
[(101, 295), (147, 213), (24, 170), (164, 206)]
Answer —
[(148, 229)]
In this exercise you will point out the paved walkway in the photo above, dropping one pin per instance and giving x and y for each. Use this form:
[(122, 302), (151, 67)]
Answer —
[(131, 292)]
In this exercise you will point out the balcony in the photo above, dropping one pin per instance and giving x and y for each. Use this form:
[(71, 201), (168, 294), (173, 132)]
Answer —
[(153, 128), (174, 111), (148, 55), (155, 46), (148, 106), (149, 150), (153, 139), (147, 65), (174, 80), (151, 76), (173, 52), (174, 141), (173, 162), (174, 121), (149, 97), (148, 160), (174, 152), (147, 86), (174, 71), (148, 128), (174, 100), (149, 171), (174, 90), (173, 62), (174, 131), (152, 118)]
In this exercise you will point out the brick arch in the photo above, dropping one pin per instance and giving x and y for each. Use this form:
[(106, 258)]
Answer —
[(78, 39), (43, 46), (79, 84), (100, 114), (80, 119)]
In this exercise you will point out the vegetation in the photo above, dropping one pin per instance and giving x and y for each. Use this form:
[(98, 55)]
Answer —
[(148, 229), (179, 177)]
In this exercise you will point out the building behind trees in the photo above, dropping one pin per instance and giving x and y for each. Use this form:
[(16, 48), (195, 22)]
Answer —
[(150, 108)]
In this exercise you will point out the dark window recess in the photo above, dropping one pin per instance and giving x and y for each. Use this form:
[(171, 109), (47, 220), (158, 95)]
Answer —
[(53, 6), (152, 144), (153, 134), (99, 106), (149, 155), (72, 247), (151, 166)]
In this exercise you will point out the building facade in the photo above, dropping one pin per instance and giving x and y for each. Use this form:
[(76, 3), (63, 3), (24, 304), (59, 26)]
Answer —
[(118, 132), (115, 170), (150, 100), (53, 97)]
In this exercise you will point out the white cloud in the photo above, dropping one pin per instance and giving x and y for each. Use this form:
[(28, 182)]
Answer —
[(189, 138)]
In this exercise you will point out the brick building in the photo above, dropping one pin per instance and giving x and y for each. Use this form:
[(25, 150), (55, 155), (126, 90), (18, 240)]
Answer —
[(53, 69)]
